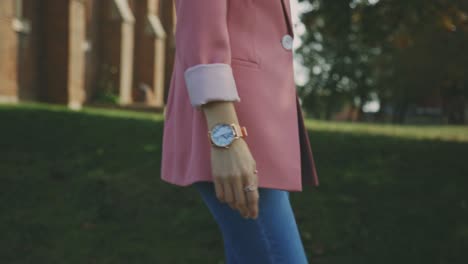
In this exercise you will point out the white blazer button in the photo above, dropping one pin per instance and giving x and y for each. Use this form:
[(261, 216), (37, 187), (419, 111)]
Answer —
[(287, 42)]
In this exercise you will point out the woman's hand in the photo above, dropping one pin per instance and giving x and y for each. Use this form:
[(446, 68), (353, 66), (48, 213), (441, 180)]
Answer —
[(233, 169)]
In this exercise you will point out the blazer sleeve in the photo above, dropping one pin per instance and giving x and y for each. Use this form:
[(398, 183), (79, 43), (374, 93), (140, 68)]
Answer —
[(203, 47)]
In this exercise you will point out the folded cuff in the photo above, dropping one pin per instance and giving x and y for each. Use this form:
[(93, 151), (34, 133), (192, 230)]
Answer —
[(210, 82)]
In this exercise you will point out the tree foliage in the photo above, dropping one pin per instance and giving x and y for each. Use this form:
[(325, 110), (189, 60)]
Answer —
[(403, 51)]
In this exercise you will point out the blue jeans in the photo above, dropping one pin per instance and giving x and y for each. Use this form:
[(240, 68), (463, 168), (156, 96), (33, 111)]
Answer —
[(271, 238)]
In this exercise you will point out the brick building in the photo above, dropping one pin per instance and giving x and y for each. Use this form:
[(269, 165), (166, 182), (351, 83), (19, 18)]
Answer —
[(68, 51)]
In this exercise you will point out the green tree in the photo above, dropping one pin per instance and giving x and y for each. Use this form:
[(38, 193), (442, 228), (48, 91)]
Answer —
[(403, 51)]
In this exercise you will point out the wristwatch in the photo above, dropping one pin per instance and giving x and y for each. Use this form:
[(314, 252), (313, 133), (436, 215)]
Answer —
[(222, 135)]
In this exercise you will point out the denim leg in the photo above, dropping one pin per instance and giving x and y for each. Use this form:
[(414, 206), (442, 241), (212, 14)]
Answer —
[(271, 238), (229, 252)]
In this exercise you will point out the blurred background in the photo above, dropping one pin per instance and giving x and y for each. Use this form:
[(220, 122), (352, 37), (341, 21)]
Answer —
[(86, 51), (391, 61), (83, 85)]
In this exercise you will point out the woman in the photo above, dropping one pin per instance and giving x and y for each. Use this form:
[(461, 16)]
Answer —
[(233, 124)]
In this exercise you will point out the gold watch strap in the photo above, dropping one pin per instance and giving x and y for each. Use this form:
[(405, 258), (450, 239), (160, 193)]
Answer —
[(240, 131)]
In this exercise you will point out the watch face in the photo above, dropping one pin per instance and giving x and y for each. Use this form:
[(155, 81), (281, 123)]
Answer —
[(222, 135)]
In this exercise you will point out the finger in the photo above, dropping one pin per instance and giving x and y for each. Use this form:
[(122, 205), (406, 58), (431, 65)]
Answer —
[(239, 194), (228, 195), (253, 198), (219, 190), (252, 203)]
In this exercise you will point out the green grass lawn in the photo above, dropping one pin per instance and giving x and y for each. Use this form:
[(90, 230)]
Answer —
[(84, 187)]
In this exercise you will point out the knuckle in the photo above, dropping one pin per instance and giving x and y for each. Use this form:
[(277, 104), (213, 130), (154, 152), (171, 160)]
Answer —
[(245, 170), (246, 177), (219, 194), (235, 178), (223, 175), (217, 177), (253, 200), (229, 176), (240, 204), (248, 172)]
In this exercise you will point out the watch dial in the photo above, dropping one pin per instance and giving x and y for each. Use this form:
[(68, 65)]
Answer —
[(222, 135)]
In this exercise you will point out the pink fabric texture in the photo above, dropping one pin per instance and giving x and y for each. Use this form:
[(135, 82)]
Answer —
[(210, 82), (233, 50)]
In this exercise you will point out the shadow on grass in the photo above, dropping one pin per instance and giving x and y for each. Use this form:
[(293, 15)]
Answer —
[(85, 188), (386, 200)]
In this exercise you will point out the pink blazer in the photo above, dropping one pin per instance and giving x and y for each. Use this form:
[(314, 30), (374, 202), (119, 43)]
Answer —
[(240, 51)]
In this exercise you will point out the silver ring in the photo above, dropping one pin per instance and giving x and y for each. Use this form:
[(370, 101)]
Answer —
[(250, 188)]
